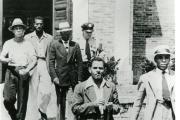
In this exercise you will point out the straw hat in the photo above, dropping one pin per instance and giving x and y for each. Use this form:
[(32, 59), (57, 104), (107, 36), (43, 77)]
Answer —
[(17, 22), (162, 49), (64, 26)]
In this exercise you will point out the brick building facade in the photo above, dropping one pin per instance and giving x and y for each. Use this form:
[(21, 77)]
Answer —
[(148, 23), (128, 29)]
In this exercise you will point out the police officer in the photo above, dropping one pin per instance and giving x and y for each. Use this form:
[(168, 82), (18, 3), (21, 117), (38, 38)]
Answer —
[(87, 46)]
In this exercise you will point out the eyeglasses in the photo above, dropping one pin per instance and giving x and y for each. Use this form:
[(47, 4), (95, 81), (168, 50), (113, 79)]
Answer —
[(18, 28), (162, 56)]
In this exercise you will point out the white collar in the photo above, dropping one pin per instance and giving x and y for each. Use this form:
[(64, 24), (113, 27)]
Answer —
[(160, 71), (43, 35), (65, 42), (90, 82)]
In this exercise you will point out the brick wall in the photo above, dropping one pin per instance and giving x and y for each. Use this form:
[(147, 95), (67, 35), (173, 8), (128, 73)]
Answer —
[(101, 13), (153, 25), (166, 17)]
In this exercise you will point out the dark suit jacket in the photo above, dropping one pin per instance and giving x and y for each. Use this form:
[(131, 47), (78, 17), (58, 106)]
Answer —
[(67, 66)]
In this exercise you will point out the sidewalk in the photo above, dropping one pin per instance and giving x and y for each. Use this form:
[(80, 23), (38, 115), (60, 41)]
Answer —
[(126, 97)]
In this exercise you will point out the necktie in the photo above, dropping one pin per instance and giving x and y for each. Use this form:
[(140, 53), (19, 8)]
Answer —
[(67, 48), (87, 50), (165, 92), (66, 45)]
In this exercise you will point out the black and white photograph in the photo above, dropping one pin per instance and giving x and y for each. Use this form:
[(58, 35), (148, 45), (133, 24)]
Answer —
[(88, 60)]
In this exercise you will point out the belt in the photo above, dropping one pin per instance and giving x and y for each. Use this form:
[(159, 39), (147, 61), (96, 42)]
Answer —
[(42, 58), (166, 103)]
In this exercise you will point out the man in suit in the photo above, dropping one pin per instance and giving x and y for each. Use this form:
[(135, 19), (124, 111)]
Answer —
[(41, 79), (158, 88), (65, 65), (95, 98), (20, 57), (87, 46)]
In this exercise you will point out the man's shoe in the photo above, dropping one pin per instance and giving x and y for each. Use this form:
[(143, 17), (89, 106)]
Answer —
[(43, 115)]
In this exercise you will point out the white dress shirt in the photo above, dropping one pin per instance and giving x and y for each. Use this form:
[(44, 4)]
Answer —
[(93, 47), (66, 45), (98, 90), (159, 82)]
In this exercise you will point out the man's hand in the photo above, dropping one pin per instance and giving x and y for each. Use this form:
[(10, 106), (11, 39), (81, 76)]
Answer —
[(8, 60), (109, 106), (23, 71), (56, 81), (99, 103)]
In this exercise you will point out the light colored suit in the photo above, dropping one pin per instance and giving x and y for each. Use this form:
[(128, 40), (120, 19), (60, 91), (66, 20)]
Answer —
[(150, 87), (41, 79)]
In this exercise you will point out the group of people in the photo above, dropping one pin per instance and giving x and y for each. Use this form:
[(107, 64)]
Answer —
[(67, 64)]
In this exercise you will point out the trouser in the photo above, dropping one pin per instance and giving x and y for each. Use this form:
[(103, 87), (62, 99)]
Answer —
[(61, 101), (85, 73), (163, 111), (16, 84), (44, 85)]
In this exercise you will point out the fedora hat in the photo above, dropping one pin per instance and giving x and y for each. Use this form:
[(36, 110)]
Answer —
[(64, 26), (16, 22)]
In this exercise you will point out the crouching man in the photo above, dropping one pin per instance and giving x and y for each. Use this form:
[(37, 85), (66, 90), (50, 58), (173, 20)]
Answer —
[(95, 98)]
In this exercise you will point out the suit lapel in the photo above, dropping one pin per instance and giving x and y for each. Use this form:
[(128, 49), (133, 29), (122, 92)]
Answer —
[(153, 80), (90, 94), (45, 44), (62, 49), (106, 93), (70, 52)]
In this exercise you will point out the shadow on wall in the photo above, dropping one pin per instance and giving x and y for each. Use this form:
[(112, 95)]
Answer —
[(146, 24)]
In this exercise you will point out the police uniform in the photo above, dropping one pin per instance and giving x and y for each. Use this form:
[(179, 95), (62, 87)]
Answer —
[(88, 49)]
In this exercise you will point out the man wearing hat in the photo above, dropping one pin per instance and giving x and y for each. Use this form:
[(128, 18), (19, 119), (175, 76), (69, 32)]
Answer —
[(41, 78), (87, 46), (65, 65), (20, 57), (157, 86)]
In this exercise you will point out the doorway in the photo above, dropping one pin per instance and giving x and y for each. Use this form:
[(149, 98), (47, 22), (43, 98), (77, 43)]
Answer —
[(26, 10)]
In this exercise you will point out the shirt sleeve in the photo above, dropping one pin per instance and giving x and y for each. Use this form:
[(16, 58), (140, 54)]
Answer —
[(31, 51), (5, 50)]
